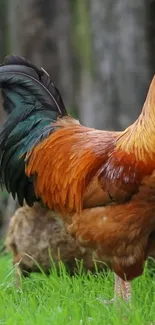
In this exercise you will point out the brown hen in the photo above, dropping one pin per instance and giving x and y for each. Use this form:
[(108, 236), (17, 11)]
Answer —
[(37, 237)]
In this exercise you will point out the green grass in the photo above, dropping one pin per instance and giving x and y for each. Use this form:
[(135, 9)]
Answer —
[(62, 300)]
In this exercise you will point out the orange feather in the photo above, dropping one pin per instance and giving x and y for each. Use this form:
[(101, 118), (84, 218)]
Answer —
[(65, 163)]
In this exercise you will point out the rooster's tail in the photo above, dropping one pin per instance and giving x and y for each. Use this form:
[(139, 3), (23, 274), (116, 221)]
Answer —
[(33, 103)]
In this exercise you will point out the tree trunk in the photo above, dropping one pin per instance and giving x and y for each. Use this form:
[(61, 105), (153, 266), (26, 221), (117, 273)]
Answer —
[(41, 31), (121, 61), (4, 41)]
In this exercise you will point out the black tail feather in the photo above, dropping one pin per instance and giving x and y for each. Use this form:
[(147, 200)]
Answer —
[(33, 103)]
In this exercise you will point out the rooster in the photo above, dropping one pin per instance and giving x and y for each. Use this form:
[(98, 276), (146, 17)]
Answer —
[(36, 236), (102, 183)]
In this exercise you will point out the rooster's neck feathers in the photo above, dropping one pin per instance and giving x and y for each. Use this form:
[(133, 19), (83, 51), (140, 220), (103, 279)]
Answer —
[(139, 138)]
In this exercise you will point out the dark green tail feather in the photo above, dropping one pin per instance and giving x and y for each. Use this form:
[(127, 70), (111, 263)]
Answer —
[(33, 103)]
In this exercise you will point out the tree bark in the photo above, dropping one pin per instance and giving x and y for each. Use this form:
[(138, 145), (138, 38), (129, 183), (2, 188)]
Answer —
[(121, 61), (41, 31)]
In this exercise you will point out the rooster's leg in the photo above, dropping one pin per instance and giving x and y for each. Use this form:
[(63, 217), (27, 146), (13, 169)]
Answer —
[(122, 289), (18, 277)]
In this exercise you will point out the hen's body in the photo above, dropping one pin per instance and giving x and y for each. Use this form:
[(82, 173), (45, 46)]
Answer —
[(37, 236), (102, 183)]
